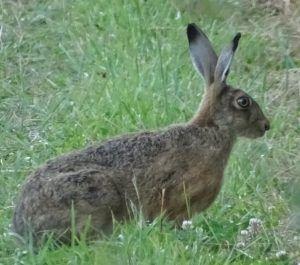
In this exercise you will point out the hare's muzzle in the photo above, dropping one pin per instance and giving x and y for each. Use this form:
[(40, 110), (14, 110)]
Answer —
[(267, 126), (264, 125)]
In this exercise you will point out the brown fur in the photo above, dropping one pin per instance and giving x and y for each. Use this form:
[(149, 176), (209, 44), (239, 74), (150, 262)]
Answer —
[(155, 171)]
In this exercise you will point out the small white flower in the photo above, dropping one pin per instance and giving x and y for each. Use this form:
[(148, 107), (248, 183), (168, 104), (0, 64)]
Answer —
[(240, 245), (86, 75), (178, 15), (121, 237), (27, 158), (280, 254), (255, 221), (187, 224), (244, 232), (34, 135), (255, 225)]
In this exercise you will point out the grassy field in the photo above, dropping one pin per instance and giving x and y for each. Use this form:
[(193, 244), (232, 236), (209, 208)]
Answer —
[(76, 72)]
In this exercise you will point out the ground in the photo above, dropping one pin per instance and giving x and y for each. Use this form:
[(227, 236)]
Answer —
[(76, 72)]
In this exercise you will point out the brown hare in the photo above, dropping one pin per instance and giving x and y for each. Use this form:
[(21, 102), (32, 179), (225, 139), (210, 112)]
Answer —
[(177, 171)]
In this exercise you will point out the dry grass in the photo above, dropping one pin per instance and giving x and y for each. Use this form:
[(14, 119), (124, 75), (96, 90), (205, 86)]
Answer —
[(284, 14)]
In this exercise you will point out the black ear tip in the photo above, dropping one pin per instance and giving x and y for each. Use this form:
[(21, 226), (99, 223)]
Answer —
[(192, 32), (238, 36), (236, 41)]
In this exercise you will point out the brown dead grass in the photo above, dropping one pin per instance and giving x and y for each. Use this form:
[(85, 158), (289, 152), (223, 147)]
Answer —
[(279, 6), (284, 84), (284, 14)]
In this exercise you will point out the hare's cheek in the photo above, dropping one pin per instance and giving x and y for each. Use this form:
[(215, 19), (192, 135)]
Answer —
[(252, 117), (240, 121)]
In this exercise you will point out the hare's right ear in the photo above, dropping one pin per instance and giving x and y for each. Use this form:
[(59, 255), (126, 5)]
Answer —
[(202, 53)]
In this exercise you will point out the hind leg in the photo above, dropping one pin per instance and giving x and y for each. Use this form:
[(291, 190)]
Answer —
[(67, 200)]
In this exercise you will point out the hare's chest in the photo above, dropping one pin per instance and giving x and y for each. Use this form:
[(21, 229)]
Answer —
[(203, 188), (202, 181), (193, 193)]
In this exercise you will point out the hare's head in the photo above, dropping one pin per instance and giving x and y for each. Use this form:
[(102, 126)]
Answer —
[(223, 105)]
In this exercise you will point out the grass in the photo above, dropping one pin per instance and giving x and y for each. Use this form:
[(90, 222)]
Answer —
[(76, 72)]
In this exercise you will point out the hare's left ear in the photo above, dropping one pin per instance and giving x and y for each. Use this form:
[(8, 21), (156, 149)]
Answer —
[(202, 53), (225, 59)]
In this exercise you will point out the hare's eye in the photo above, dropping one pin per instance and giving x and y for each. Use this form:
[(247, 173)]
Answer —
[(244, 102)]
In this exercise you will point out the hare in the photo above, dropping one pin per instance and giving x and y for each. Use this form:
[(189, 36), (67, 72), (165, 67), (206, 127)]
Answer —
[(176, 171)]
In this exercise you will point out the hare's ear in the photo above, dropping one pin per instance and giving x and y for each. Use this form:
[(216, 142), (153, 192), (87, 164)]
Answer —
[(225, 59), (203, 55)]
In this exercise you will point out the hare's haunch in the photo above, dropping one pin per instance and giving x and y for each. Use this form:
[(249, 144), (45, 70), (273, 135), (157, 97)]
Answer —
[(155, 171)]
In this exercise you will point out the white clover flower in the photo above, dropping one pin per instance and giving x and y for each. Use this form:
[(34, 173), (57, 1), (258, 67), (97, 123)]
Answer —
[(255, 221), (255, 225), (27, 158), (280, 254), (187, 224), (34, 135), (178, 15), (244, 232), (121, 237), (240, 245)]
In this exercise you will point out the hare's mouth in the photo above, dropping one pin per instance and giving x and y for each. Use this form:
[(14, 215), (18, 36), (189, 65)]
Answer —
[(264, 126), (262, 133), (258, 129), (254, 132)]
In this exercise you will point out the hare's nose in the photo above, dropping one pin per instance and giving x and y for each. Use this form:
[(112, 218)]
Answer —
[(267, 125)]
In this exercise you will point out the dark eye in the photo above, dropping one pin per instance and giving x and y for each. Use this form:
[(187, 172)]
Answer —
[(244, 102)]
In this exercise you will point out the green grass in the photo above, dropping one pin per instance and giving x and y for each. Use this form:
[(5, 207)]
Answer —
[(76, 72)]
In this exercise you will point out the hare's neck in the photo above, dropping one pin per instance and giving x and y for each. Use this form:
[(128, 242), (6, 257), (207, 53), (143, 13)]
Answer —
[(219, 136), (204, 117)]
